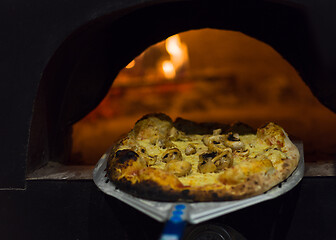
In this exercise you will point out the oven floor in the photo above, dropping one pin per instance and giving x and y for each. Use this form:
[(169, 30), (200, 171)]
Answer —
[(76, 209)]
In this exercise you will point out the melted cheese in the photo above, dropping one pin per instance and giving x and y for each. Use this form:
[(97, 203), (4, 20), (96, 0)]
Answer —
[(195, 178), (256, 147)]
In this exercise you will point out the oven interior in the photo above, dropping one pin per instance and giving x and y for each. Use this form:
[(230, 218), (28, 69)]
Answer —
[(110, 72), (207, 75)]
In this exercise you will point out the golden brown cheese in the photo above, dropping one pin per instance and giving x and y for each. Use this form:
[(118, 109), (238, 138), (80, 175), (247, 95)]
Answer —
[(234, 164), (256, 146)]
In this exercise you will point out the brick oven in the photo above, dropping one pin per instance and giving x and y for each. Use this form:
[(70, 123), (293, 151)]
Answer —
[(69, 91)]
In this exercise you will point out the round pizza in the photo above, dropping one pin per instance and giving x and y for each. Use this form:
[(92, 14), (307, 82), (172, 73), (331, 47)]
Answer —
[(186, 161)]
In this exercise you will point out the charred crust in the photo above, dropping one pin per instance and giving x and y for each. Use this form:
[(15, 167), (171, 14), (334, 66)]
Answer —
[(149, 190), (185, 192), (214, 195), (126, 155), (153, 191), (264, 126), (160, 116), (241, 129), (191, 127)]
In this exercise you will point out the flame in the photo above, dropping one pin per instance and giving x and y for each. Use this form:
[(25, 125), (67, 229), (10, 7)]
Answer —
[(168, 69), (131, 64), (174, 46), (178, 52)]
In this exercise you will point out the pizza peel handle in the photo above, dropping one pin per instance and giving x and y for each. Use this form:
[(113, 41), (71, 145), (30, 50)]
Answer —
[(176, 223)]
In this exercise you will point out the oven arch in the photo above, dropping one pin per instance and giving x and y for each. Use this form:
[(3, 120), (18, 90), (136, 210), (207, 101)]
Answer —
[(81, 70)]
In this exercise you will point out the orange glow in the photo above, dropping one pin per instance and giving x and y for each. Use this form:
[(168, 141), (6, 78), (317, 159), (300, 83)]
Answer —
[(174, 45), (168, 69), (131, 64), (178, 51), (225, 77)]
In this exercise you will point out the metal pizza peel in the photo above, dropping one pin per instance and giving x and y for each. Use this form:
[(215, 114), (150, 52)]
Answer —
[(177, 214)]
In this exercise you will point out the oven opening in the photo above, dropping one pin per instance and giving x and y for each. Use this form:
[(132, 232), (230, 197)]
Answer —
[(206, 74)]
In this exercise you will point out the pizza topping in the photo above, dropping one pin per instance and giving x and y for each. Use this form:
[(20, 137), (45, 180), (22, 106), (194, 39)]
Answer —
[(212, 139), (233, 141), (215, 162), (244, 152), (150, 160), (223, 160), (178, 168), (201, 159), (137, 148), (206, 167), (214, 142), (172, 154), (190, 149), (217, 147), (233, 136), (207, 156), (206, 140), (163, 143)]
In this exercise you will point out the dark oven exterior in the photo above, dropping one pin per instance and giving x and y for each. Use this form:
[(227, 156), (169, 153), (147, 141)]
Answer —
[(40, 100)]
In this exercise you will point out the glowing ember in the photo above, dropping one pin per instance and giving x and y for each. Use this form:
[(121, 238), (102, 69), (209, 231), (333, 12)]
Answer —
[(168, 69)]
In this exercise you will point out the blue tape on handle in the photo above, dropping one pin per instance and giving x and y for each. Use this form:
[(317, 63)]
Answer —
[(174, 227)]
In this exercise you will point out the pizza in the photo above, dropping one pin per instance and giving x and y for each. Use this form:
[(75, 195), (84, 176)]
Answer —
[(181, 160)]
